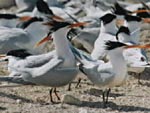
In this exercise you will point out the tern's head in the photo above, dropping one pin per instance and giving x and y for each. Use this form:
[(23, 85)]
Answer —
[(119, 10), (14, 16), (142, 12), (111, 45), (133, 22), (8, 16), (124, 31), (130, 18), (44, 9), (25, 24), (57, 26), (20, 53), (136, 55), (10, 20), (107, 18)]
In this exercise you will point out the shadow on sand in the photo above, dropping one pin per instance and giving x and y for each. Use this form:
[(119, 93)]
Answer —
[(113, 106), (144, 75), (98, 93), (15, 97), (2, 108)]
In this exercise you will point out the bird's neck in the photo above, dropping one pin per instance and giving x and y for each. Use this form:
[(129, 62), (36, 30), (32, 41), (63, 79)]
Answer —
[(61, 43), (132, 25), (134, 28), (109, 28), (122, 37), (118, 62)]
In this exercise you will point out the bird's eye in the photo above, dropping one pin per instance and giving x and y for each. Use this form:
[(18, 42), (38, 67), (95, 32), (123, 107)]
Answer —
[(142, 59), (6, 60)]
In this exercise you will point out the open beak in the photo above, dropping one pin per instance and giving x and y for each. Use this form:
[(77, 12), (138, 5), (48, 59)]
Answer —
[(57, 18), (138, 46), (25, 18), (47, 38), (146, 20), (141, 11), (78, 24)]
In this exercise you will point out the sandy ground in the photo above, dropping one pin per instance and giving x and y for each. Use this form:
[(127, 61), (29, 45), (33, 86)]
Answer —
[(130, 97)]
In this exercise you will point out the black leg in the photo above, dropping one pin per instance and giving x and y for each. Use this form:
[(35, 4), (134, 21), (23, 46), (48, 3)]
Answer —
[(107, 95), (103, 95), (51, 96), (69, 87), (79, 81), (139, 78), (55, 91)]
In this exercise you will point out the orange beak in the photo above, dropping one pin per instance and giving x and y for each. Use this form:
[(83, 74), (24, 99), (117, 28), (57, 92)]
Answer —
[(47, 38), (3, 55), (48, 23), (138, 46), (25, 18), (141, 11), (57, 18), (78, 24), (146, 20)]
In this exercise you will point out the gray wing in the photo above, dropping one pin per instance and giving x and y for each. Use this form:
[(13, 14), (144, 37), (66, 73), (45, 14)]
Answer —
[(16, 80), (106, 73), (99, 74), (12, 39), (38, 71), (50, 66), (39, 60)]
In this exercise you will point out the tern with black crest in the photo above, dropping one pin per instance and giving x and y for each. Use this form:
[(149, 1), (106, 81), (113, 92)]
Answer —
[(110, 74), (60, 68), (107, 32)]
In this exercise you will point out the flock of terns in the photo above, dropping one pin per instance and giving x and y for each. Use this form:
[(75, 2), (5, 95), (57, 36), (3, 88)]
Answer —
[(112, 39)]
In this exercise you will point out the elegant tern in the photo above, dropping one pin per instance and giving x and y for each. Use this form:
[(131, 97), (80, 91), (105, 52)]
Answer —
[(61, 68), (107, 32), (134, 57), (110, 74)]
